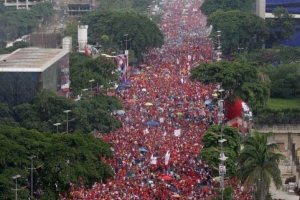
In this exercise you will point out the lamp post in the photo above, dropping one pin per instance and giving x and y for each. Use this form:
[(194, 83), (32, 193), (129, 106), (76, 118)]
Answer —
[(91, 82), (67, 111), (16, 189), (57, 124), (219, 47), (31, 175), (127, 55), (223, 158)]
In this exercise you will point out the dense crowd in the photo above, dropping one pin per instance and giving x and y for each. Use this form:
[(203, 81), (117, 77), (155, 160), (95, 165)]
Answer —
[(156, 150)]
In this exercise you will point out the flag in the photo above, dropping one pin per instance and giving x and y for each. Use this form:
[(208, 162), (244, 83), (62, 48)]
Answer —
[(177, 132), (153, 160), (122, 64), (167, 157)]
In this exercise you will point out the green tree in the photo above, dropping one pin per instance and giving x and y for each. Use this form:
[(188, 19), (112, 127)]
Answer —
[(258, 164), (60, 160), (238, 30), (86, 115), (208, 7), (142, 32), (281, 27), (84, 69), (16, 23), (285, 81), (211, 151), (239, 78)]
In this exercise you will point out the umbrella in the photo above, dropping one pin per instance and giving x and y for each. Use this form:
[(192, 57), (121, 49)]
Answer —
[(215, 95), (143, 149), (120, 112), (208, 101), (148, 104), (175, 196), (179, 113), (166, 177), (121, 87), (152, 123)]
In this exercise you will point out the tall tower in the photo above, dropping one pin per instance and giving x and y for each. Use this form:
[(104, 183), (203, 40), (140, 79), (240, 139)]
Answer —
[(261, 8)]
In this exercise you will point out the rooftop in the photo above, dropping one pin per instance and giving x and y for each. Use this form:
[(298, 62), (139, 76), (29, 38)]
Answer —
[(30, 59)]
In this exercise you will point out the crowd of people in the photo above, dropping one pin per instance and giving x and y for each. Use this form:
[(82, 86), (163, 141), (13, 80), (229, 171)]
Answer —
[(156, 150)]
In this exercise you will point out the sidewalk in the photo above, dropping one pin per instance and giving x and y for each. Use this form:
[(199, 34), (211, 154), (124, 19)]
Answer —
[(286, 171)]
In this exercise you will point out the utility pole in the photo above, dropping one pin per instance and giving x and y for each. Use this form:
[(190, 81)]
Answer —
[(67, 111), (16, 189), (31, 175), (219, 47), (57, 125), (223, 158), (126, 54)]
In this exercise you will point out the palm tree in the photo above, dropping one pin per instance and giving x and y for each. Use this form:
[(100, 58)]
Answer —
[(258, 164)]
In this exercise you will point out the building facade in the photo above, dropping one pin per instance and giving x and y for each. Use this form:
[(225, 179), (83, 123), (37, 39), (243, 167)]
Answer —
[(25, 72), (22, 4)]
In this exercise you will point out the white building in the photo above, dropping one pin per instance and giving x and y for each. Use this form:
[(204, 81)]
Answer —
[(22, 4)]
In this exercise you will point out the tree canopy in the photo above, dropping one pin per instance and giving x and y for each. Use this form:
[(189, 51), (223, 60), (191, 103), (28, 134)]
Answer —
[(16, 23), (86, 115), (258, 164), (238, 30), (141, 32), (84, 68), (208, 7), (281, 27), (239, 78), (60, 159), (211, 150), (285, 81)]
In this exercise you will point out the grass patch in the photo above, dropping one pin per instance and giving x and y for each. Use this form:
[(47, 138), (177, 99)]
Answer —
[(277, 104)]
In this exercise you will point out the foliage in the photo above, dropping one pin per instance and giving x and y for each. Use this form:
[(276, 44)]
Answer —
[(60, 160), (240, 79), (138, 5), (142, 32), (211, 151), (72, 31), (274, 103), (83, 69), (281, 27), (238, 30), (15, 46), (258, 164), (278, 116), (208, 7), (16, 23), (227, 194), (275, 56), (85, 116), (285, 81)]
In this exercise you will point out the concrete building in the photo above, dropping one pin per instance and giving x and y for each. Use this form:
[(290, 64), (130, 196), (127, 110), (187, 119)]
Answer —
[(264, 9), (261, 8), (27, 71), (76, 7), (22, 4)]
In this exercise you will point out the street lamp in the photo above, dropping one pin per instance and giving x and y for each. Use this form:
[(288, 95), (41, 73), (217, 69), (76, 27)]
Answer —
[(16, 189), (91, 82), (219, 47), (222, 158), (31, 174), (67, 111), (57, 124), (107, 56)]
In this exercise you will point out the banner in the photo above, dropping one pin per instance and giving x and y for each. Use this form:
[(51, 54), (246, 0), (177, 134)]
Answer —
[(177, 132), (122, 65)]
